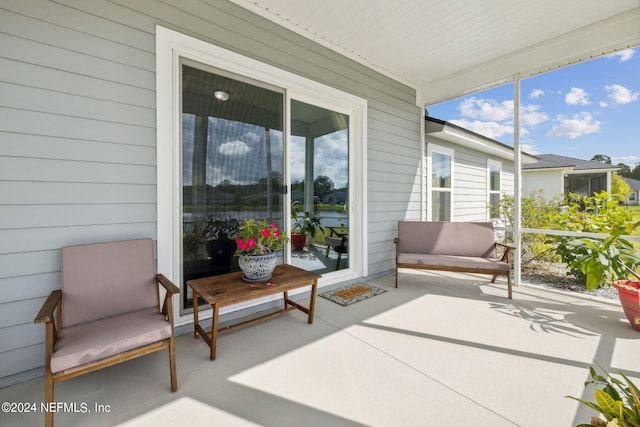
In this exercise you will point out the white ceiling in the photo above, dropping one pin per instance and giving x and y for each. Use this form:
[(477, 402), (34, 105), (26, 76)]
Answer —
[(447, 48)]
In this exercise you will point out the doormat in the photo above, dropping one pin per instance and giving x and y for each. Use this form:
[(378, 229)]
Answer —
[(351, 294)]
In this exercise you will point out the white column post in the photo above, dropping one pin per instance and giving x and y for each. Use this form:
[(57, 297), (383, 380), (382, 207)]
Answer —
[(517, 211)]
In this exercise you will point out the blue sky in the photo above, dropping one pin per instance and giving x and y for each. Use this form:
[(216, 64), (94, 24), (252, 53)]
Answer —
[(578, 111)]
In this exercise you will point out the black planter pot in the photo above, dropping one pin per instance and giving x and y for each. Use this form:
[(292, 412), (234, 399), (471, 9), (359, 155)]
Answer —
[(221, 251)]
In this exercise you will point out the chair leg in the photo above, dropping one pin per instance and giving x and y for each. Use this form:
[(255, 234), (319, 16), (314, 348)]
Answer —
[(509, 284), (172, 365), (493, 279), (396, 276), (48, 398)]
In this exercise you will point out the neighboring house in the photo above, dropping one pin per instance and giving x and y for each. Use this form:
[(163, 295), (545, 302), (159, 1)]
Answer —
[(466, 172), (634, 197), (113, 119), (555, 175)]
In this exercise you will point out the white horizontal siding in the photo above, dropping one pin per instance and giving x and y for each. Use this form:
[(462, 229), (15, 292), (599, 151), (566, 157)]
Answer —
[(29, 286), (31, 122), (41, 193), (78, 143), (548, 182)]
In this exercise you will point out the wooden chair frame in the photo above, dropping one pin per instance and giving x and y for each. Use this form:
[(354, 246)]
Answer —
[(51, 315)]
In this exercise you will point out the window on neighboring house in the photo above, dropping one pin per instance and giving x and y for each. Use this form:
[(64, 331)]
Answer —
[(494, 186), (440, 184), (585, 184)]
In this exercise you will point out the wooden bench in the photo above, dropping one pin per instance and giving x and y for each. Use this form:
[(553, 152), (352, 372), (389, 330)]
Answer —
[(468, 247)]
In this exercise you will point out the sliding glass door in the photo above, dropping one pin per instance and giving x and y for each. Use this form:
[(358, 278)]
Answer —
[(232, 165), (319, 165)]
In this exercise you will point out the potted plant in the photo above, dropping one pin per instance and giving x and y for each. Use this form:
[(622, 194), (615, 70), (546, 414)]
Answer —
[(609, 261), (618, 401), (220, 234), (257, 244), (303, 224)]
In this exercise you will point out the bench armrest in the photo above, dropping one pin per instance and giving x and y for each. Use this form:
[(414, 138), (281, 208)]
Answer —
[(46, 312), (507, 249)]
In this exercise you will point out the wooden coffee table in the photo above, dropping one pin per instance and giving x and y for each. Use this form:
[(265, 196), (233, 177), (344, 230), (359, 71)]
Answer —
[(229, 289)]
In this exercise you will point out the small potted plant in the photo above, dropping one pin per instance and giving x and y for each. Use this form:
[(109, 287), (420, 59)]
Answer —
[(617, 401), (303, 224), (257, 244)]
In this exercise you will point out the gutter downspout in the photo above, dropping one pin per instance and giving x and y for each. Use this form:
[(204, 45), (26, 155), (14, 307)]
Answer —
[(517, 211)]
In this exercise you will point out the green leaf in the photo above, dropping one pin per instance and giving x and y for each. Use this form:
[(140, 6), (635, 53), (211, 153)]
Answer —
[(594, 273), (609, 407), (586, 402)]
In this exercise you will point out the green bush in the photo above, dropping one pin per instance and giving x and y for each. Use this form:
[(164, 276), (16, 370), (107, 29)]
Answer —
[(536, 213), (595, 262)]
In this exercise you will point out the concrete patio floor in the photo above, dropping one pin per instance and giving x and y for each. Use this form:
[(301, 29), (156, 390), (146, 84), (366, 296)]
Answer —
[(442, 349)]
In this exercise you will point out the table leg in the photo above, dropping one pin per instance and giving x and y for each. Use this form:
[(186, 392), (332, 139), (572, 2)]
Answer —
[(312, 301), (286, 296), (214, 331), (195, 315)]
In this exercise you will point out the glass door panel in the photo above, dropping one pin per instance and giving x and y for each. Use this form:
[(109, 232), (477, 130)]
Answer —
[(232, 166), (319, 164)]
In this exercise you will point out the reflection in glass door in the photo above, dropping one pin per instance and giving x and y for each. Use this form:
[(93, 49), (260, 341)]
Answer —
[(319, 164), (232, 165)]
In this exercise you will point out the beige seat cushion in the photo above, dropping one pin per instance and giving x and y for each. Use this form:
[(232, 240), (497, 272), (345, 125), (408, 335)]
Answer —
[(88, 342), (490, 264)]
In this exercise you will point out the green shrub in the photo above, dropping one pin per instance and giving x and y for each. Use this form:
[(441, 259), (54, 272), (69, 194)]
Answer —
[(536, 212), (595, 262)]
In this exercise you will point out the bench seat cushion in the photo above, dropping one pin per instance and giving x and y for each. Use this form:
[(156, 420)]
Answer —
[(462, 262), (88, 342)]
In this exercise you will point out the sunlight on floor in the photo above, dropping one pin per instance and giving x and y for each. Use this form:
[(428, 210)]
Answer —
[(187, 412)]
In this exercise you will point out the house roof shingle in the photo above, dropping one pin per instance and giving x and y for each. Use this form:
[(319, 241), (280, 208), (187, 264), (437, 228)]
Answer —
[(548, 161), (633, 183)]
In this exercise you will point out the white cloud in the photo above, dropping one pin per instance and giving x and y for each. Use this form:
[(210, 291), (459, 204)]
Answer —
[(495, 119), (574, 126), (536, 93), (530, 115), (577, 96), (603, 104), (486, 109), (620, 94), (234, 148), (628, 160), (491, 130), (529, 149), (623, 55)]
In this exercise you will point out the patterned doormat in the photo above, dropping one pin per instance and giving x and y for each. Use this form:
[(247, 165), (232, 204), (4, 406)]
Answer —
[(351, 294)]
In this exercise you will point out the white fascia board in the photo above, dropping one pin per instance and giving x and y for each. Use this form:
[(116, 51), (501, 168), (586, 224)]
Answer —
[(564, 170), (496, 149)]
